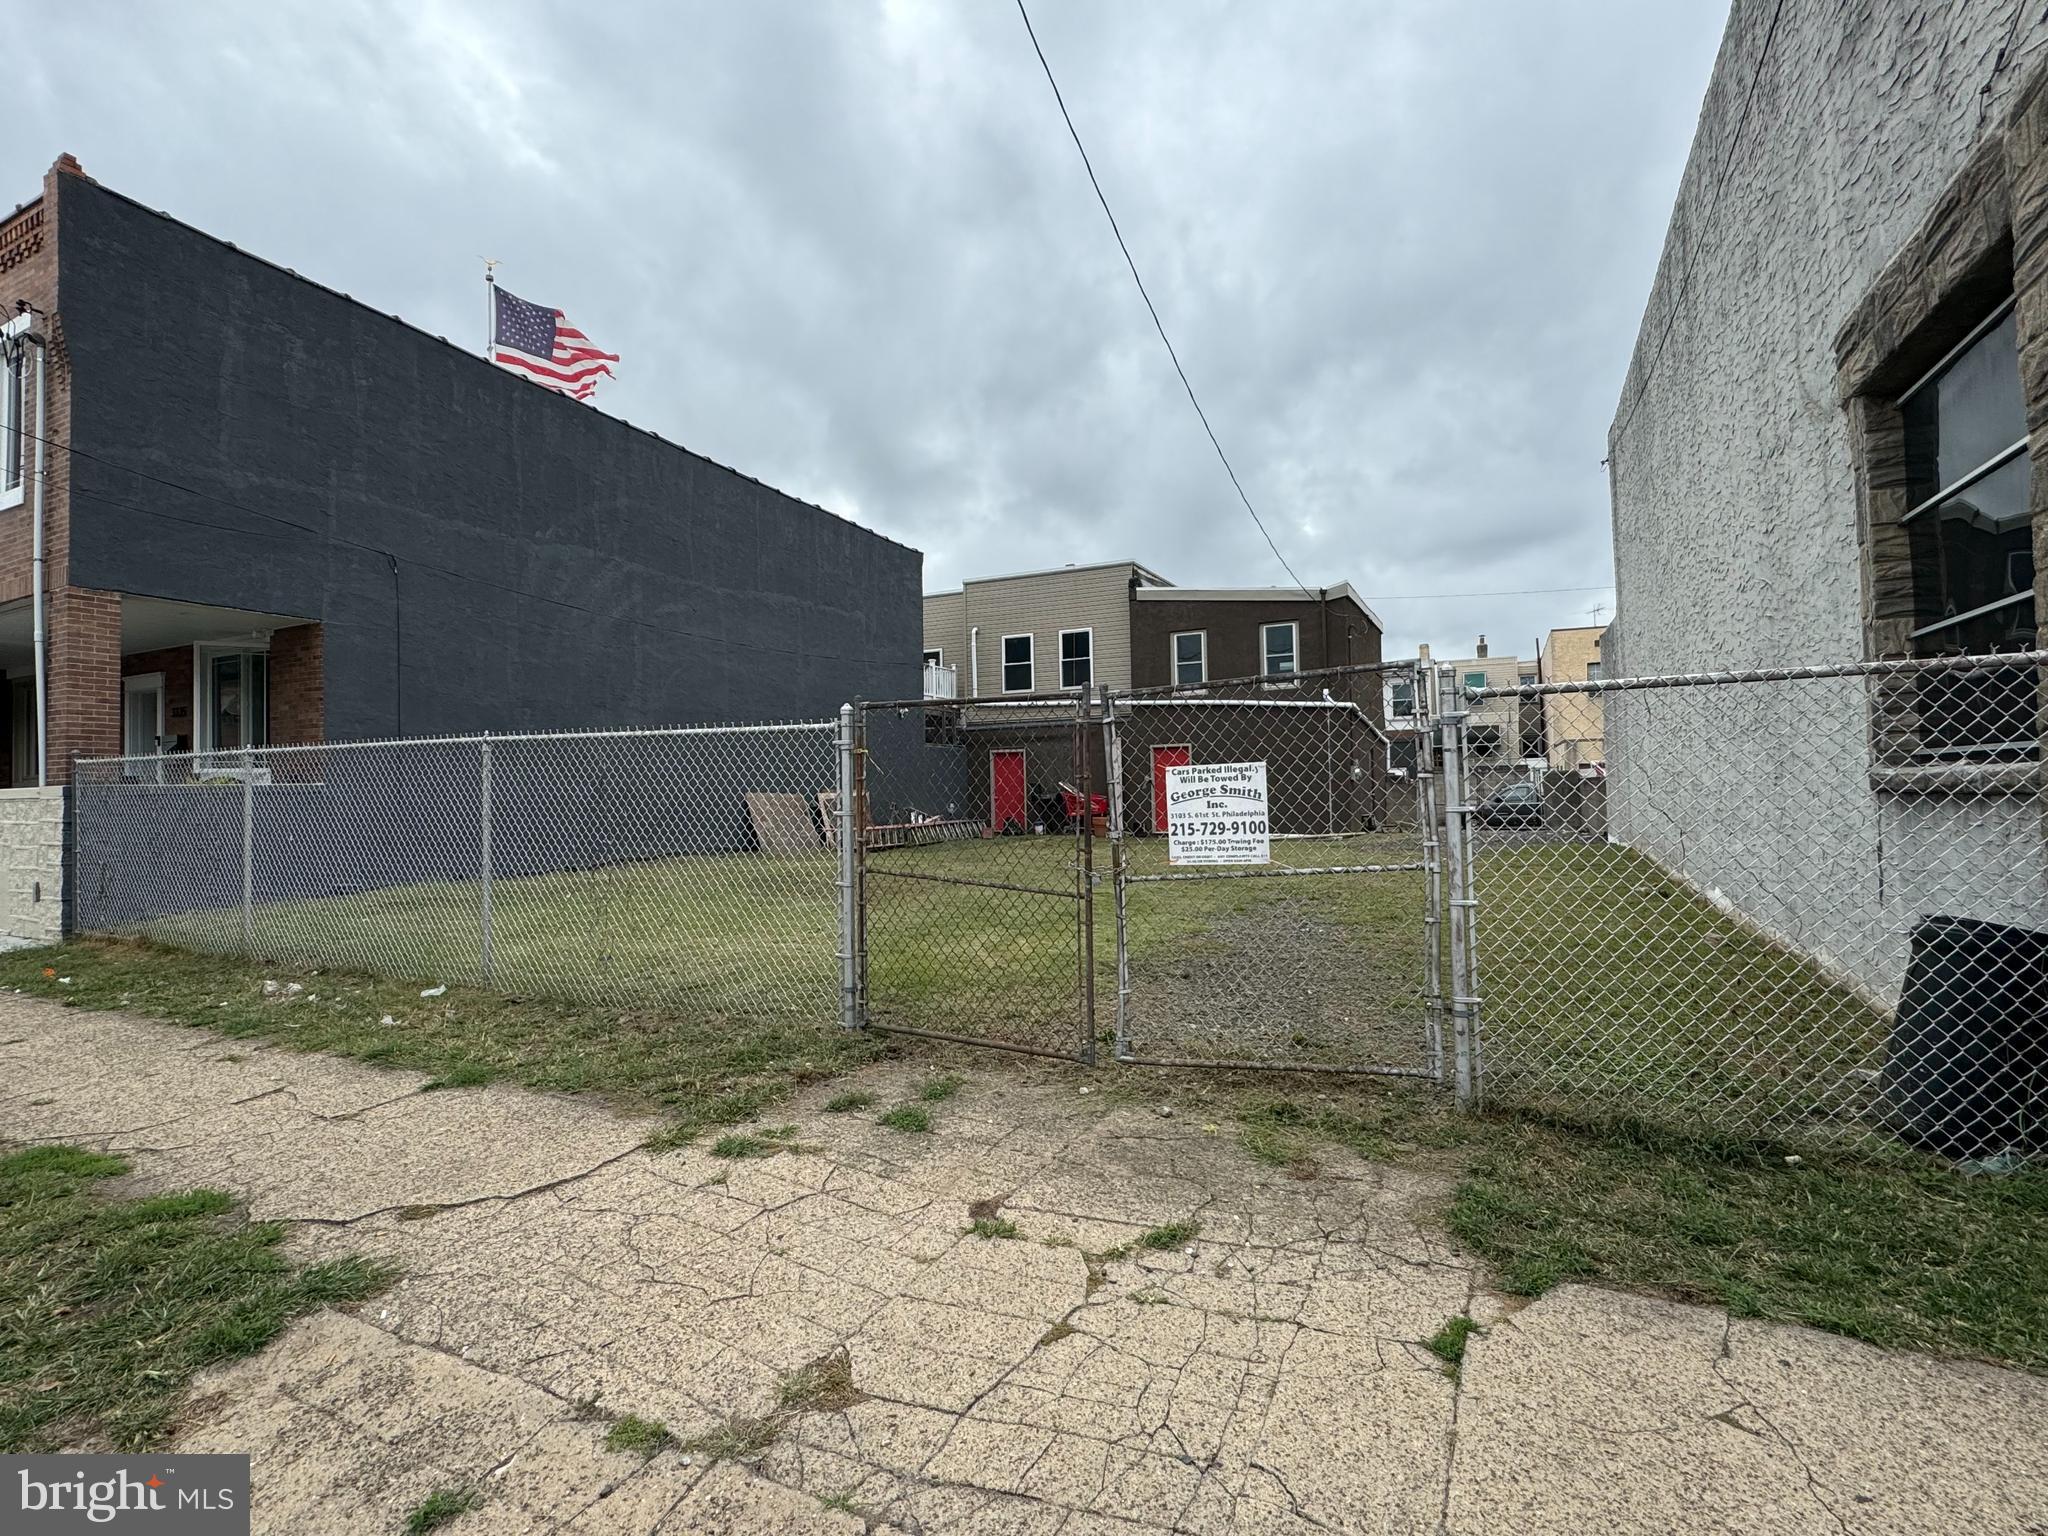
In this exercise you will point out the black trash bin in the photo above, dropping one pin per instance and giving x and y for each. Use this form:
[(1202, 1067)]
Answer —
[(1966, 1072)]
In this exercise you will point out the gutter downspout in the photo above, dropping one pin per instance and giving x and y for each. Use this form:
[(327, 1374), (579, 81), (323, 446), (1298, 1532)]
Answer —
[(41, 626), (973, 661)]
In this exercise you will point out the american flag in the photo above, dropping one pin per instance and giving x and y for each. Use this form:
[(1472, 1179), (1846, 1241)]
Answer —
[(536, 341)]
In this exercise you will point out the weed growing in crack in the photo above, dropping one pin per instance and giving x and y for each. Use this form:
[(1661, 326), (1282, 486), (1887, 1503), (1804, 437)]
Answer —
[(417, 1212), (913, 1118), (823, 1386), (439, 1507), (842, 1501), (1151, 1296), (1059, 1330), (735, 1437), (777, 1133), (641, 1436), (847, 1103), (940, 1089), (1175, 1234), (1448, 1343), (992, 1226)]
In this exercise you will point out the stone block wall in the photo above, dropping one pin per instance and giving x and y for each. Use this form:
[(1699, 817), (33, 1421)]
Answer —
[(32, 865)]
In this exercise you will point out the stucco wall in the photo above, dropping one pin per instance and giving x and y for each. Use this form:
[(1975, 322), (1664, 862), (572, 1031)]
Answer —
[(1828, 135)]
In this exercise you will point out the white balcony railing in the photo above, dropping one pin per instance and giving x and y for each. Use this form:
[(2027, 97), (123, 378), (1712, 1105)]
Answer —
[(940, 682)]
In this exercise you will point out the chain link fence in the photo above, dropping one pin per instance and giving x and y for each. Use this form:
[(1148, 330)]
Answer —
[(1801, 903), (691, 867)]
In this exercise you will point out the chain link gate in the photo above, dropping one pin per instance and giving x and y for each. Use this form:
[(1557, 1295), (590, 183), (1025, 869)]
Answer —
[(972, 832), (970, 851), (1323, 955)]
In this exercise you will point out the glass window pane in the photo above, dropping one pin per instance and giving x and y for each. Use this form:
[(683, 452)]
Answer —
[(1187, 658), (1967, 415), (227, 703), (1975, 548), (1475, 679), (1017, 664), (1279, 641), (11, 423), (1076, 669)]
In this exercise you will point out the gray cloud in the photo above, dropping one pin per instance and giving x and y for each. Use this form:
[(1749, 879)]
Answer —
[(848, 248)]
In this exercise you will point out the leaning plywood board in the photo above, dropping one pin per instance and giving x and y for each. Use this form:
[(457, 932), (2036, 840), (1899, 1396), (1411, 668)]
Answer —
[(782, 823)]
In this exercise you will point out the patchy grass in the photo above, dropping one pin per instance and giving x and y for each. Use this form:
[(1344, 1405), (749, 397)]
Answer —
[(439, 1507), (1175, 1234), (1448, 1342), (940, 1089), (992, 1227), (108, 1306), (744, 1146), (641, 1437), (848, 1103), (464, 1074), (1903, 1252), (713, 1062), (913, 1118)]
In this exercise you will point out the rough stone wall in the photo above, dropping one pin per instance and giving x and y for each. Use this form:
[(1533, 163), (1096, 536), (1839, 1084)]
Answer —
[(32, 864), (1829, 136)]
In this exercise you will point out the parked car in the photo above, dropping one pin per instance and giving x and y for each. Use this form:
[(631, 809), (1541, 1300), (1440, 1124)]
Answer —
[(1513, 805)]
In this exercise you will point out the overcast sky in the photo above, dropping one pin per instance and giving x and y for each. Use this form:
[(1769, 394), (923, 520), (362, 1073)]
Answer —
[(847, 247)]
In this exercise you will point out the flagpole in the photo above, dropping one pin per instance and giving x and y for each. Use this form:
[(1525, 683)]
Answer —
[(490, 305)]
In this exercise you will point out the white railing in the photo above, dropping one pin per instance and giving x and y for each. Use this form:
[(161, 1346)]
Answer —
[(941, 682)]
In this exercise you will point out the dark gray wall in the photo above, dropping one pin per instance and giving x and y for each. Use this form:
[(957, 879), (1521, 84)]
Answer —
[(485, 555)]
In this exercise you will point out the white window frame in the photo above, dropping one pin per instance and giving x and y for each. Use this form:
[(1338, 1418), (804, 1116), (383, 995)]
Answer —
[(935, 655), (1003, 662), (13, 371), (203, 656), (1173, 657), (1066, 686), (1293, 629), (1394, 711)]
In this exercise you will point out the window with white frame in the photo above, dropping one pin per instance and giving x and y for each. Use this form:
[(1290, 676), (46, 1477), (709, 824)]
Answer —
[(935, 657), (1279, 645), (234, 699), (1017, 666), (1403, 701), (1191, 658), (1077, 658), (12, 428)]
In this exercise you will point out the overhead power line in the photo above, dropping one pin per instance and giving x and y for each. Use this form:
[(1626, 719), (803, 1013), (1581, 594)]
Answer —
[(1150, 307)]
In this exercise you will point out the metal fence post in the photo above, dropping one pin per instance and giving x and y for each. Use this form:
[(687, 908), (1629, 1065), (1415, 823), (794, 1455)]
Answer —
[(484, 862), (1456, 721), (248, 852), (1422, 680), (847, 834), (1086, 870), (1113, 767)]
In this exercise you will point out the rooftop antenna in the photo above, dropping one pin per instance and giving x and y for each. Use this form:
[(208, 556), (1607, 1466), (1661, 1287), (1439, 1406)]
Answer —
[(1597, 612)]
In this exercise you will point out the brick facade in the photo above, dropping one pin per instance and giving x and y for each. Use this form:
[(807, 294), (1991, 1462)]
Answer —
[(85, 677), (298, 685)]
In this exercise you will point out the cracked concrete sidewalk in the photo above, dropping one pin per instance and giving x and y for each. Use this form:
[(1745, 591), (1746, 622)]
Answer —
[(1266, 1377)]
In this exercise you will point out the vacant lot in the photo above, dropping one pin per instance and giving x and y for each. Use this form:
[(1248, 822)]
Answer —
[(1609, 989)]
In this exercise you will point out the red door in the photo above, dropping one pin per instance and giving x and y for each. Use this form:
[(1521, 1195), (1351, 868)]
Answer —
[(1164, 758), (1006, 790)]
